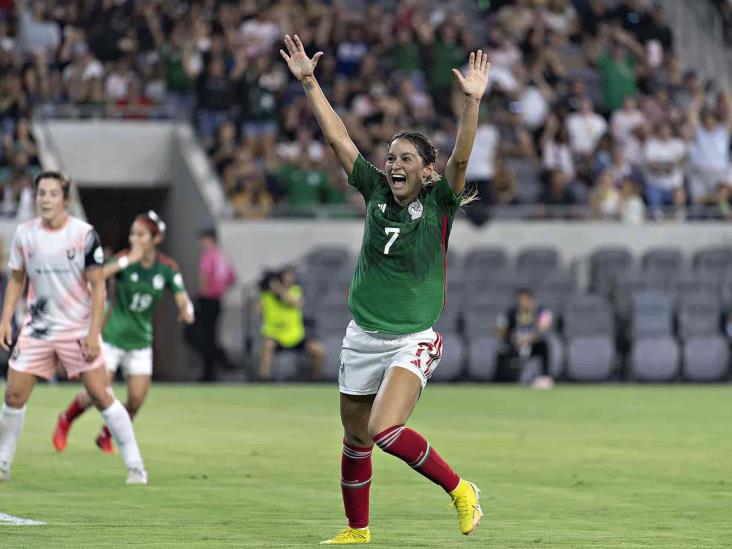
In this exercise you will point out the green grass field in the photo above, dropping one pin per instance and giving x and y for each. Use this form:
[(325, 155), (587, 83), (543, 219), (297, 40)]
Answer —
[(258, 466)]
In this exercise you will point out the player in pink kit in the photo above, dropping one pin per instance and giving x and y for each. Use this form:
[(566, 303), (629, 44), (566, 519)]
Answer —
[(62, 257)]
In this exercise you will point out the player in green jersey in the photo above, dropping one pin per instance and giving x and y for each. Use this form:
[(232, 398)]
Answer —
[(140, 274), (397, 293)]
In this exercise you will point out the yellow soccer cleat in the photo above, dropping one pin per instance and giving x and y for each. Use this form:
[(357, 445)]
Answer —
[(466, 499), (350, 536)]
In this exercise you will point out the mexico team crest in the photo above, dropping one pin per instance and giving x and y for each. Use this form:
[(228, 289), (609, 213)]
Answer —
[(415, 210)]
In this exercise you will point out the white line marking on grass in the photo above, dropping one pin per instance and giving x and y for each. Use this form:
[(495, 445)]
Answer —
[(17, 521)]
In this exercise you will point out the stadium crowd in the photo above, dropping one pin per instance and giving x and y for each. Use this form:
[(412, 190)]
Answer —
[(589, 109)]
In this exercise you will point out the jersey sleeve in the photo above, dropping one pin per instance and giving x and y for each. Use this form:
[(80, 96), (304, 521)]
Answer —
[(366, 177), (93, 253), (16, 261), (445, 198), (175, 281)]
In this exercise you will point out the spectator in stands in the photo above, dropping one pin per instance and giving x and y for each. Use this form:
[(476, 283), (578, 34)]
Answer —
[(618, 68), (723, 202), (585, 129), (523, 329), (605, 197), (632, 208), (215, 98), (556, 152), (663, 160), (250, 199), (37, 31), (215, 276), (481, 166), (709, 155), (281, 302), (624, 124)]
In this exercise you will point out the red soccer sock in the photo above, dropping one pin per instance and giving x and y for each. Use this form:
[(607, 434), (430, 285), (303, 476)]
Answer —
[(415, 451), (74, 410), (355, 484)]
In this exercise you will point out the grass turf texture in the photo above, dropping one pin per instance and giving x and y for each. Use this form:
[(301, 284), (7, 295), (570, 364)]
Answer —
[(258, 466)]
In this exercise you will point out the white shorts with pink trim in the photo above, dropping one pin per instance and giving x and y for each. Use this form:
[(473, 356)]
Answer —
[(40, 357), (366, 357)]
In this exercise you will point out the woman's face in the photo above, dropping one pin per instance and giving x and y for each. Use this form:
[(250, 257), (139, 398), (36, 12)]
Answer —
[(405, 169), (141, 235), (50, 201)]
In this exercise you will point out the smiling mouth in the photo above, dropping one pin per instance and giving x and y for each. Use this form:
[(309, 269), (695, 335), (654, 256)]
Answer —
[(399, 180)]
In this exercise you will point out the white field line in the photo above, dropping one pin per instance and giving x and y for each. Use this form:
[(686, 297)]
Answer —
[(10, 520)]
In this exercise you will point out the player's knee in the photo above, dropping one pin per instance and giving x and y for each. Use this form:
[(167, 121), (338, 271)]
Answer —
[(15, 398), (358, 439), (102, 400), (376, 426), (134, 403)]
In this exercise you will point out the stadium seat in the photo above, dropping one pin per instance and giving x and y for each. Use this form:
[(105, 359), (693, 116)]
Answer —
[(484, 261), (452, 364), (590, 358), (328, 258), (662, 259), (725, 291), (706, 358), (606, 264), (331, 316), (698, 316), (286, 366), (662, 266), (626, 286), (587, 315), (589, 332), (654, 358), (651, 314), (332, 363), (696, 287), (481, 313), (537, 262), (554, 291), (713, 261), (482, 358)]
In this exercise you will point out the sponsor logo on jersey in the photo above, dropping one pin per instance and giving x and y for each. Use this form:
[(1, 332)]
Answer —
[(415, 210), (70, 253), (382, 207), (158, 282), (134, 277)]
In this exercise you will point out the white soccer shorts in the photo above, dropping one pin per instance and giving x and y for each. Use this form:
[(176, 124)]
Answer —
[(366, 357), (137, 362)]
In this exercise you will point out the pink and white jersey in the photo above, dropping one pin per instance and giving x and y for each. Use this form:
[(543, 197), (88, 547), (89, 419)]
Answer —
[(59, 302)]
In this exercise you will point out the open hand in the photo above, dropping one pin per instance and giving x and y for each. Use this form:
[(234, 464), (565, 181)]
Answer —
[(297, 60), (476, 79)]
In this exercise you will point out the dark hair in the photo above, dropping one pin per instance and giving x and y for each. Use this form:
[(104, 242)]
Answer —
[(209, 232), (524, 291), (153, 222), (428, 153), (64, 179), (426, 150)]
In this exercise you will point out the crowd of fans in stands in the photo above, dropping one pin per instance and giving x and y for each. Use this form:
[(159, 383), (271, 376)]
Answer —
[(588, 106)]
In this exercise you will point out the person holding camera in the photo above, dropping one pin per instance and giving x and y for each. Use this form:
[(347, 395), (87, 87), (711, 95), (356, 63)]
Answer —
[(281, 301)]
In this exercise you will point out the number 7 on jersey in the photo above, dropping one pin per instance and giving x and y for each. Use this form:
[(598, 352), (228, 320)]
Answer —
[(394, 232)]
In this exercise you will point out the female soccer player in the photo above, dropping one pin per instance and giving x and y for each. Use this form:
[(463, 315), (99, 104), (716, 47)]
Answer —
[(397, 294), (141, 273), (62, 258)]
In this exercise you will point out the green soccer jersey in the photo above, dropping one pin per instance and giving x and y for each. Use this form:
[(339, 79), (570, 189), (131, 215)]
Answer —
[(138, 291), (399, 283)]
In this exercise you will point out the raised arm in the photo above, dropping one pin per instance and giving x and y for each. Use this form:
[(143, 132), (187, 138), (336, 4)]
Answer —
[(330, 123), (473, 87)]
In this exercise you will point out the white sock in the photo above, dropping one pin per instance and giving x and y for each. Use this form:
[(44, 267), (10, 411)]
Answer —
[(119, 424), (11, 425)]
